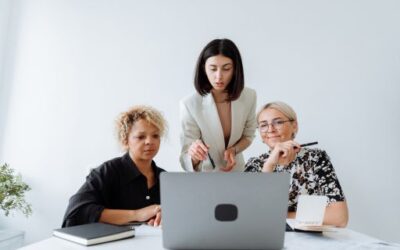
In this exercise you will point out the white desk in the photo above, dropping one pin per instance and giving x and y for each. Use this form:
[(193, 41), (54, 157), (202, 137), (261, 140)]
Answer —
[(150, 238)]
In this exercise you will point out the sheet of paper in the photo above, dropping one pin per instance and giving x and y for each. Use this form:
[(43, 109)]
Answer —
[(311, 210)]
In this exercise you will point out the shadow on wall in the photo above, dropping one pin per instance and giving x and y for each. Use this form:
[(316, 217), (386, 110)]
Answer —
[(5, 92), (9, 26)]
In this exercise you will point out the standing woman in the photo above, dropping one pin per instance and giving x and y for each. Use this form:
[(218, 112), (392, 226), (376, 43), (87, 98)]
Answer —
[(218, 121), (124, 189)]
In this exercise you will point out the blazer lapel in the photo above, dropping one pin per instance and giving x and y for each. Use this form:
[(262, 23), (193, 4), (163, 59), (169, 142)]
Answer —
[(214, 135), (235, 118)]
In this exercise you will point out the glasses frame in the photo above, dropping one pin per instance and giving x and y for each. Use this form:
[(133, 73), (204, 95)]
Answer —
[(277, 124)]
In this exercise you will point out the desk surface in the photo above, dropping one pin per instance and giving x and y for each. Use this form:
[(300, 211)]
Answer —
[(150, 238)]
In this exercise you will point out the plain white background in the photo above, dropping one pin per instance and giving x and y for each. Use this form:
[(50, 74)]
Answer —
[(68, 68)]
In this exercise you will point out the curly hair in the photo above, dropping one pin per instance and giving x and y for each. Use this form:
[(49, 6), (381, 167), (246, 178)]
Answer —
[(127, 119)]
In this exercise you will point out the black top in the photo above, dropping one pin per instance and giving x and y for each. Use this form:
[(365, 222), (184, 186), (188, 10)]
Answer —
[(116, 184)]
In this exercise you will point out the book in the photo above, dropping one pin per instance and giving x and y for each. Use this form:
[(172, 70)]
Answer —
[(94, 233), (293, 225)]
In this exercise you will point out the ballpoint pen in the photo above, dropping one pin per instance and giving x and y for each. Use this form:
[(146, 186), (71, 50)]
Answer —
[(308, 144), (304, 145), (209, 156)]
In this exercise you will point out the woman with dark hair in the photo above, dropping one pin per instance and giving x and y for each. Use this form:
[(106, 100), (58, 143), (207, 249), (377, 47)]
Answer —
[(218, 121)]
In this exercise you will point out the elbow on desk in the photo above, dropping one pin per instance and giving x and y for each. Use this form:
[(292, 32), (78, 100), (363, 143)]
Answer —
[(342, 222), (337, 221), (337, 214)]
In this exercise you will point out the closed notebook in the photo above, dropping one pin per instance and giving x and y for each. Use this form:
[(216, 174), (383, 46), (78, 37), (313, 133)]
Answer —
[(94, 233)]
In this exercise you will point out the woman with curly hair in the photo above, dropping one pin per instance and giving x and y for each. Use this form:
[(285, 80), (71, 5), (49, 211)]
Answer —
[(124, 189)]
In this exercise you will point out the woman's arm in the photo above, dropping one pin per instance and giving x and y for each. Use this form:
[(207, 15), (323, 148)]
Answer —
[(336, 214), (251, 122), (231, 152), (87, 204), (283, 154), (248, 132), (190, 132), (120, 217), (241, 145)]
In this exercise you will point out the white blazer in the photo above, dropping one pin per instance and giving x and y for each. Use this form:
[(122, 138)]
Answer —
[(200, 119)]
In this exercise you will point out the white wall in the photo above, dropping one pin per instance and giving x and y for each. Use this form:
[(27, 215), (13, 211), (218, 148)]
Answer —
[(4, 31), (76, 64)]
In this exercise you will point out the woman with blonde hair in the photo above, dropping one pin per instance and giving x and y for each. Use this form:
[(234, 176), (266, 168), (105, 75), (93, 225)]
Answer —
[(311, 170), (124, 189)]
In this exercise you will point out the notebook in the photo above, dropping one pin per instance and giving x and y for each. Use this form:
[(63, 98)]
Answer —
[(224, 210), (310, 215), (94, 233)]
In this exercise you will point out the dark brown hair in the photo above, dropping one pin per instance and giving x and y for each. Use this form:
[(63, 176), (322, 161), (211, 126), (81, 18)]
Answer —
[(228, 49)]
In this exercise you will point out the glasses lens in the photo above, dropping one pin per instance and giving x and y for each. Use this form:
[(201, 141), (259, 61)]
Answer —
[(263, 127)]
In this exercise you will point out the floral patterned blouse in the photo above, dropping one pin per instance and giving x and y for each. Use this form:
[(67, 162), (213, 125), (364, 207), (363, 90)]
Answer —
[(311, 173)]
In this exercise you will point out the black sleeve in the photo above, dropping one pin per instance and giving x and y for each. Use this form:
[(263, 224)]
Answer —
[(89, 202)]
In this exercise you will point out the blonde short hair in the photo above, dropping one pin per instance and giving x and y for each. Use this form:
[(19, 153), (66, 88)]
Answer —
[(281, 107), (127, 119)]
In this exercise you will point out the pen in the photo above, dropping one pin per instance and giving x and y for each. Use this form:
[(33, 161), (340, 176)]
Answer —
[(308, 144), (304, 145), (209, 156)]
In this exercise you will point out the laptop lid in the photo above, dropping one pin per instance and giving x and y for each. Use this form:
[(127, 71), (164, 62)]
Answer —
[(224, 210)]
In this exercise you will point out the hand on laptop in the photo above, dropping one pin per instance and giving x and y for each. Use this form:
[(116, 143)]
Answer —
[(283, 153)]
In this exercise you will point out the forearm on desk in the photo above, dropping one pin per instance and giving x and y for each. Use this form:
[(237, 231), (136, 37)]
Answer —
[(336, 214), (118, 216)]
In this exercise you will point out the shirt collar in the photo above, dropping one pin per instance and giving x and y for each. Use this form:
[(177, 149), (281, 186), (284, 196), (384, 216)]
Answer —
[(132, 172)]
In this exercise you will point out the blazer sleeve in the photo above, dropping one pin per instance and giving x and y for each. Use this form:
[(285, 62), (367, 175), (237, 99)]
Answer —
[(190, 132), (89, 202), (251, 122)]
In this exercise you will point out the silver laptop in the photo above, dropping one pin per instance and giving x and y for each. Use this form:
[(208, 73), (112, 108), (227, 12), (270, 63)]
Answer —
[(224, 210)]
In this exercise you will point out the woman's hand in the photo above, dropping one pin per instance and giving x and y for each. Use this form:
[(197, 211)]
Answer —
[(283, 154), (230, 158), (152, 214), (198, 151), (156, 221)]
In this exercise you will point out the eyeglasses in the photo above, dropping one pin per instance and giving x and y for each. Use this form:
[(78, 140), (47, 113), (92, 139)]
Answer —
[(276, 124)]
